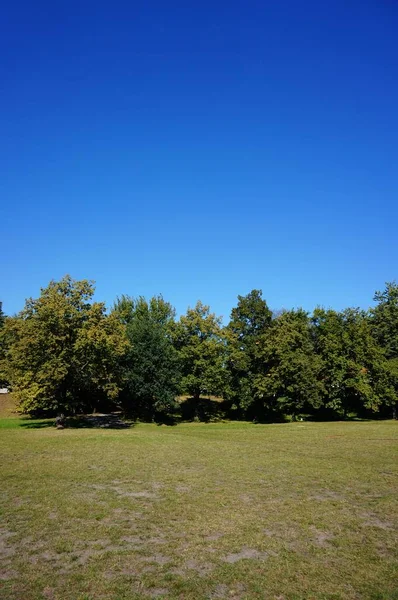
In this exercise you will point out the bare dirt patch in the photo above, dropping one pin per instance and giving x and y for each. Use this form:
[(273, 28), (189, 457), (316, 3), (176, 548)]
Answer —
[(372, 520), (159, 559), (246, 498), (122, 492), (321, 538), (156, 592), (157, 485), (120, 516), (65, 561), (213, 537), (201, 569), (270, 532), (7, 551), (325, 495), (6, 574), (183, 489), (246, 553), (126, 494), (222, 591), (132, 540)]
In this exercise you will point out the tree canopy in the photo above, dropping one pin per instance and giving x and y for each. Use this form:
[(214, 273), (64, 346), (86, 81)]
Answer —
[(151, 366), (65, 352), (250, 320), (198, 339), (62, 350)]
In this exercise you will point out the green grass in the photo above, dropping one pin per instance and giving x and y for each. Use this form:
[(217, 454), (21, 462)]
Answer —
[(292, 511)]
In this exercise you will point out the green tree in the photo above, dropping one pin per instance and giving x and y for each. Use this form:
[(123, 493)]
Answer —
[(200, 344), (354, 369), (3, 380), (250, 319), (385, 330), (289, 380), (63, 351), (385, 319), (328, 335), (364, 386), (151, 364)]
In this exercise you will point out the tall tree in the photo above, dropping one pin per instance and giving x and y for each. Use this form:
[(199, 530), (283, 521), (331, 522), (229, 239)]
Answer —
[(289, 380), (328, 335), (3, 380), (151, 364), (354, 369), (385, 329), (63, 351), (198, 339), (385, 319), (364, 386), (250, 319)]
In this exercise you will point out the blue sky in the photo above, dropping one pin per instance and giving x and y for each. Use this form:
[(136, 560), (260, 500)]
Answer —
[(200, 150)]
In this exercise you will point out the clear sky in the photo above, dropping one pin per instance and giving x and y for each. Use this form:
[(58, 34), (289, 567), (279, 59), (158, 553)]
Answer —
[(200, 149)]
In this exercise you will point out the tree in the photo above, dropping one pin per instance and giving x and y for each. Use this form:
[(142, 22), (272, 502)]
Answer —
[(3, 380), (100, 345), (354, 369), (63, 351), (198, 339), (385, 330), (250, 319), (365, 386), (289, 380), (150, 366), (385, 319), (328, 336)]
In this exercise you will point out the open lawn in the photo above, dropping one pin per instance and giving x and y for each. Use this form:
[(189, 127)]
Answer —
[(229, 510)]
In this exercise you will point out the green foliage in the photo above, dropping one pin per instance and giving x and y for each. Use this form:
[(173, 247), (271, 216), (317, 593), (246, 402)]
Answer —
[(63, 351), (289, 379), (151, 370), (250, 319), (363, 385), (328, 334), (3, 345), (199, 341), (385, 319), (354, 372), (385, 330)]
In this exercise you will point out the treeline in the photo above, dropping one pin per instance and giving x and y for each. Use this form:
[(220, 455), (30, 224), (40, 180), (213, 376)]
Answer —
[(66, 353)]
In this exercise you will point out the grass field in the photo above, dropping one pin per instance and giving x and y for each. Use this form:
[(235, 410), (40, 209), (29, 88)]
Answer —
[(217, 511)]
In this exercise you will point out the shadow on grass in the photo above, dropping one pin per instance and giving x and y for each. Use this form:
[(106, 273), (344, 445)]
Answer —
[(27, 423), (204, 410), (169, 420), (109, 421)]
